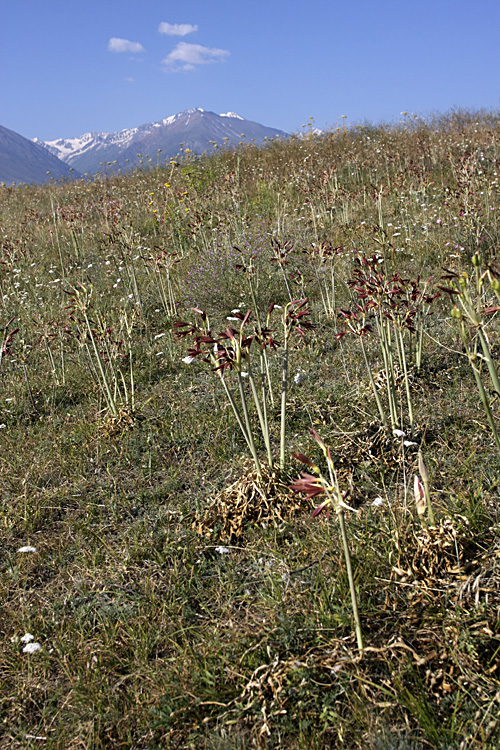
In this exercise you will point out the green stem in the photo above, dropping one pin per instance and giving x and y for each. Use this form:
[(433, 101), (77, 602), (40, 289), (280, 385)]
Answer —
[(259, 328), (235, 409), (63, 272), (262, 416), (284, 378), (248, 426), (104, 382), (374, 387), (387, 356), (352, 587), (419, 345), (491, 367), (483, 395), (407, 383)]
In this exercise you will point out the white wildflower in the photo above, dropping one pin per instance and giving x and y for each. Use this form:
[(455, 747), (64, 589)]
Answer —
[(378, 501), (188, 360), (399, 433), (27, 548), (409, 444), (31, 648), (27, 637), (222, 550)]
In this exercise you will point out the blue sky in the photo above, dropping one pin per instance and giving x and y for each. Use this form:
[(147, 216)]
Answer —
[(72, 67)]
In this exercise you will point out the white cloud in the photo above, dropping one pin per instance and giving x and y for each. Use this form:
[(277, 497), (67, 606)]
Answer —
[(123, 45), (176, 29), (187, 56)]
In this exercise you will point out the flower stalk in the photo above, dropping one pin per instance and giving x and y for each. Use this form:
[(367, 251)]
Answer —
[(317, 484), (471, 310)]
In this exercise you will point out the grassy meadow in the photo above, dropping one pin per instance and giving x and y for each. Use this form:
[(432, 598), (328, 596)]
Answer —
[(177, 347)]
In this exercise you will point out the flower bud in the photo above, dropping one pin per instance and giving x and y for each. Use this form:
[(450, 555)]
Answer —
[(419, 493), (476, 260), (422, 468)]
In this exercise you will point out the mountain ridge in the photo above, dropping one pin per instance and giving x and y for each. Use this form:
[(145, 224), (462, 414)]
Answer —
[(195, 129), (25, 162)]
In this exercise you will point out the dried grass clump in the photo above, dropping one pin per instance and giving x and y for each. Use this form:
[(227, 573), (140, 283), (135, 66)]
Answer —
[(252, 500), (482, 585), (116, 425), (436, 556)]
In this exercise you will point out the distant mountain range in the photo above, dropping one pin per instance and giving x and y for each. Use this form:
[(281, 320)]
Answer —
[(22, 161), (194, 129)]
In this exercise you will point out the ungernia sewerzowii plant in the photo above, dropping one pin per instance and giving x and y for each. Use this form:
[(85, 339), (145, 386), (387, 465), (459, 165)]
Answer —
[(230, 351), (317, 484)]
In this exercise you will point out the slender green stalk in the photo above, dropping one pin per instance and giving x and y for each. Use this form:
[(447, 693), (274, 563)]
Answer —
[(286, 282), (51, 358), (350, 575), (284, 382), (127, 326), (482, 393), (407, 382), (264, 373), (58, 243), (323, 294), (25, 373), (251, 443), (489, 361), (235, 409), (316, 485), (263, 349), (104, 381), (419, 343), (381, 411), (339, 508), (388, 367), (262, 414)]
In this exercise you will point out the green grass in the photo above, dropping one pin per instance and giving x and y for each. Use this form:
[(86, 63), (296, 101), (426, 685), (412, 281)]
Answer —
[(154, 635)]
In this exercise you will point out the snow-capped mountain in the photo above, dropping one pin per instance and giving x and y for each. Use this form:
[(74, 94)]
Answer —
[(22, 161), (194, 129)]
